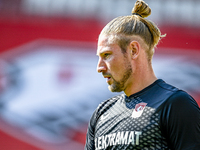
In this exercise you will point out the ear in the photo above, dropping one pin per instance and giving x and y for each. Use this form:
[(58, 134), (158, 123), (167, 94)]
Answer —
[(134, 49)]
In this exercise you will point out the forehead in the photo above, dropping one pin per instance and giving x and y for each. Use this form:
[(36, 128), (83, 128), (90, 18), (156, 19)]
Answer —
[(106, 43)]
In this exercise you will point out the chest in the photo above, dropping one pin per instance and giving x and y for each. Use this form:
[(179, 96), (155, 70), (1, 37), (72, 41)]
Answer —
[(123, 126)]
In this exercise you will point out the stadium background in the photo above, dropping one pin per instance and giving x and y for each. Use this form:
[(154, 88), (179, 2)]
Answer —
[(48, 81)]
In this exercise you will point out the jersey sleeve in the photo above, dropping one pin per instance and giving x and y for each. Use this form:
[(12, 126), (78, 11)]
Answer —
[(90, 142), (180, 122)]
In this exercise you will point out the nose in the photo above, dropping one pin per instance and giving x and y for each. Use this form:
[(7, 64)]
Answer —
[(101, 66)]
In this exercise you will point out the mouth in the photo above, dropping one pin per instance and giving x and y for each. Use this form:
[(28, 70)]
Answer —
[(108, 78)]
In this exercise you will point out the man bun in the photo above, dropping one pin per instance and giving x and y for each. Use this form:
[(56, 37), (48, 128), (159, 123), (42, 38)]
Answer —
[(141, 8)]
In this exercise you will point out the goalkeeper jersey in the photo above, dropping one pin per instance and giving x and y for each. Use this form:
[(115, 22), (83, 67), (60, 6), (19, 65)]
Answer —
[(157, 118)]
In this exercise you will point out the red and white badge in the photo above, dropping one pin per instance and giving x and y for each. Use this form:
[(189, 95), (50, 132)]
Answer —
[(139, 108)]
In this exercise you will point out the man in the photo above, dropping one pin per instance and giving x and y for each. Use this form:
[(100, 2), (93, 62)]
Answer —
[(151, 114)]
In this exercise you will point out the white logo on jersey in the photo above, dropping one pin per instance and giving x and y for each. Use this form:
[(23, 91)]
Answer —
[(139, 108), (103, 117), (119, 138)]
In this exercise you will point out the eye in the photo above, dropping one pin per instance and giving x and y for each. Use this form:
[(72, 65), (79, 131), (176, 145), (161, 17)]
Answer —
[(106, 55)]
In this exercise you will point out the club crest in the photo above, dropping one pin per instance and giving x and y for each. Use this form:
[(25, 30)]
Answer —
[(139, 108)]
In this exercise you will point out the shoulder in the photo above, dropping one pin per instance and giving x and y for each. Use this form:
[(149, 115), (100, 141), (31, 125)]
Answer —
[(105, 105), (181, 98), (165, 86), (158, 93), (180, 107), (175, 95), (180, 120)]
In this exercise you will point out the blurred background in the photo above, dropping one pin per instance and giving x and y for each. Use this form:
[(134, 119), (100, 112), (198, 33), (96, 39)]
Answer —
[(49, 86)]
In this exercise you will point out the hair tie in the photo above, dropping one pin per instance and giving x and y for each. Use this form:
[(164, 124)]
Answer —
[(136, 14)]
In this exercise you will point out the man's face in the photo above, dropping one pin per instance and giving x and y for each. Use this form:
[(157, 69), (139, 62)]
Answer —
[(113, 64)]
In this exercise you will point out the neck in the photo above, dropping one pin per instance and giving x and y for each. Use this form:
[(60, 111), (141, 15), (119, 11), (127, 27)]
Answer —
[(140, 80)]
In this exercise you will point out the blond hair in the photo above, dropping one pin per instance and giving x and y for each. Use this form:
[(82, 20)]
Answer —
[(125, 27)]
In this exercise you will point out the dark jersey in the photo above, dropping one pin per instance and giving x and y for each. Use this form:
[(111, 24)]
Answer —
[(157, 118)]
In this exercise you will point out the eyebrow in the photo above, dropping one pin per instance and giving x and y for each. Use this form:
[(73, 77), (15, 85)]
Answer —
[(102, 52), (105, 50)]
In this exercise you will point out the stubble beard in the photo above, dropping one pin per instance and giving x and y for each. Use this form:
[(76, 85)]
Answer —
[(119, 86)]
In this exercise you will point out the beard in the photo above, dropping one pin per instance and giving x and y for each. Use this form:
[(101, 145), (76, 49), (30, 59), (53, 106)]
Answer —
[(118, 86)]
